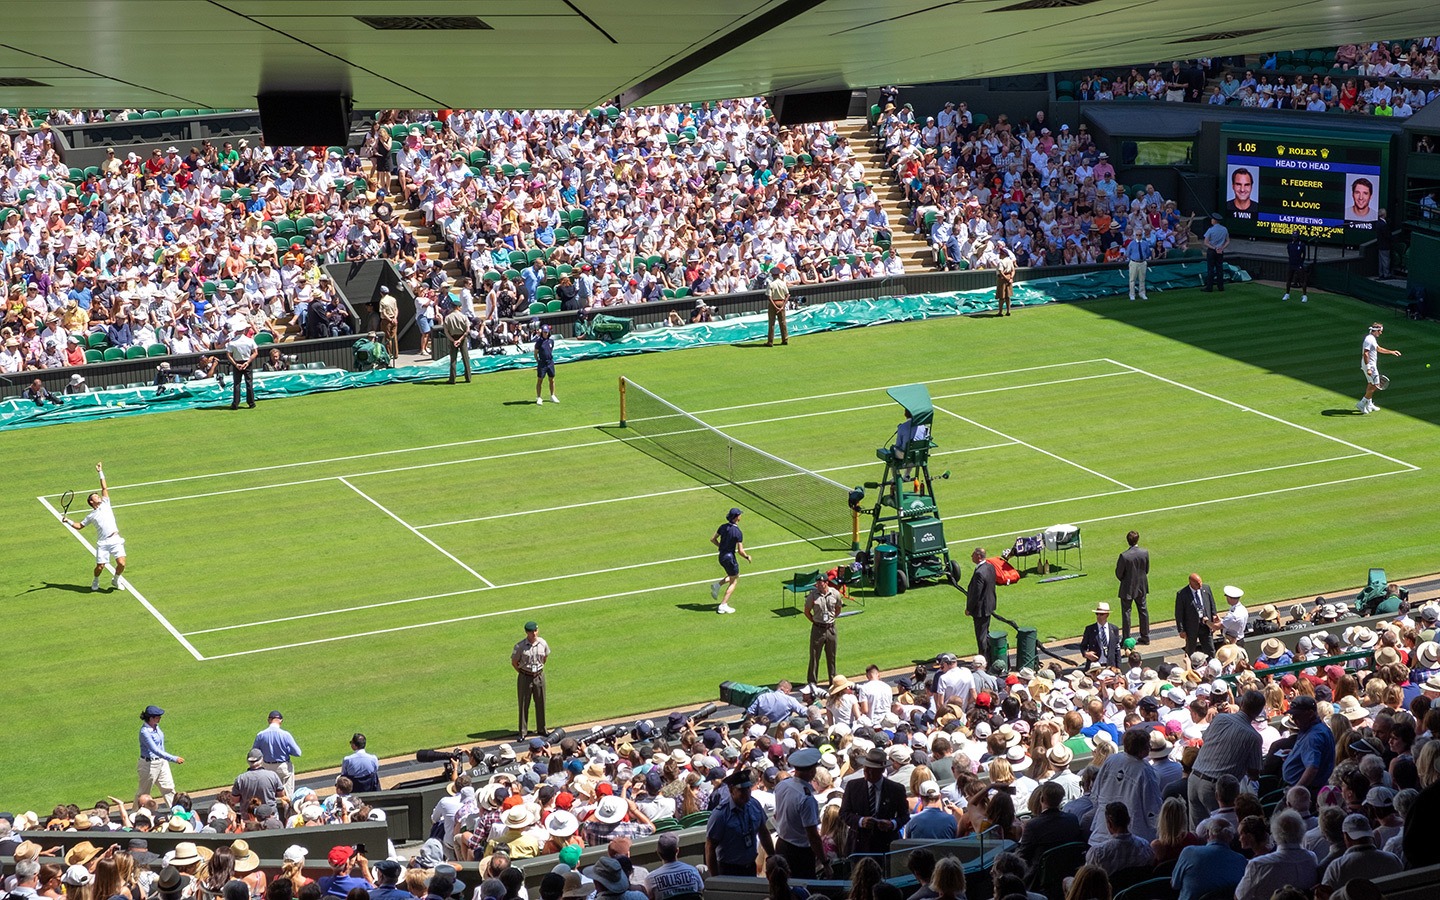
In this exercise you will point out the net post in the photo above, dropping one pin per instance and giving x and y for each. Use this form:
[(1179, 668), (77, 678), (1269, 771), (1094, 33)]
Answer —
[(854, 529), (622, 401)]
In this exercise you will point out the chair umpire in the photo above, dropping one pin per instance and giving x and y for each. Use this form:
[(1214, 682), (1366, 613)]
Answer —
[(528, 658)]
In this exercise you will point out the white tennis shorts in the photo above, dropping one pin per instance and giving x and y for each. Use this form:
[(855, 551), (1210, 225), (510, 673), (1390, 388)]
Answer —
[(105, 549), (1372, 374)]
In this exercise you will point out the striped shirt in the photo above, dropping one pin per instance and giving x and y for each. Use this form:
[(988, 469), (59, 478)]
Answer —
[(1232, 747)]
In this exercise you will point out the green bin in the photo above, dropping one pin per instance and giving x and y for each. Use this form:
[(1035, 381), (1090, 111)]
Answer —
[(887, 562), (1027, 654), (999, 648)]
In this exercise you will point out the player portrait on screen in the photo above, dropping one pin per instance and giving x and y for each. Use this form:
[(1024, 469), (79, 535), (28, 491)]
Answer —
[(1240, 195), (1362, 206)]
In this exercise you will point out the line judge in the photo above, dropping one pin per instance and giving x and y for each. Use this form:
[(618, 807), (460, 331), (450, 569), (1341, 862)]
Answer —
[(528, 658)]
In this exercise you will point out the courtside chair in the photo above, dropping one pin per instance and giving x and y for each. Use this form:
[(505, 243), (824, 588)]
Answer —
[(113, 354), (799, 583), (135, 352), (1064, 541)]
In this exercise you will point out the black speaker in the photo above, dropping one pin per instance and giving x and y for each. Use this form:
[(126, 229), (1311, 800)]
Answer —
[(815, 106), (303, 119)]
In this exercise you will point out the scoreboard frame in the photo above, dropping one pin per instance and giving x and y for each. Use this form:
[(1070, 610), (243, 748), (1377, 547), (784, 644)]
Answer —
[(1301, 181)]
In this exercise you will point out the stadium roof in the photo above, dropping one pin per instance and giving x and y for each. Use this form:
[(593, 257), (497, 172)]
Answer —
[(577, 53)]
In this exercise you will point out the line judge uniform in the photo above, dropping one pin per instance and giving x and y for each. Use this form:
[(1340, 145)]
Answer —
[(822, 606), (155, 760), (528, 658)]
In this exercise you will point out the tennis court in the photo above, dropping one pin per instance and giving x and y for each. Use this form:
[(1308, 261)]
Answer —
[(510, 524)]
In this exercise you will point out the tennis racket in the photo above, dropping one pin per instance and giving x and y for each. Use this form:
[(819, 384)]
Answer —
[(1383, 383), (66, 499)]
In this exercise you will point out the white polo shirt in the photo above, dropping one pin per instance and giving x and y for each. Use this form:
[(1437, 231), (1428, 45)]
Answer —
[(103, 517), (241, 348)]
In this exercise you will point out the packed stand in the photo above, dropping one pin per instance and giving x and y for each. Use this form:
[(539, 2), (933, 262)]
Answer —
[(1213, 775), (577, 210), (978, 189), (173, 254)]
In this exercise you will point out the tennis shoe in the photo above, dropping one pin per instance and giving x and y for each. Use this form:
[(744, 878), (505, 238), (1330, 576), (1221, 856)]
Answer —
[(1362, 407), (1304, 298), (1286, 296), (95, 584), (554, 399), (1372, 407), (715, 590), (118, 583), (726, 608), (1142, 297), (539, 402)]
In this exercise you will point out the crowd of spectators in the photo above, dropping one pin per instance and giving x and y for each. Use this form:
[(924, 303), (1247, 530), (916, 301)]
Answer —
[(1212, 773), (1041, 189), (1381, 79)]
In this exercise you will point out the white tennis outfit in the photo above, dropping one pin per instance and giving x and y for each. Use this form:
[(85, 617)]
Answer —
[(1370, 350), (110, 542)]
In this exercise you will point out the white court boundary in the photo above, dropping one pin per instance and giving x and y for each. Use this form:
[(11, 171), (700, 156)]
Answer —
[(1008, 440)]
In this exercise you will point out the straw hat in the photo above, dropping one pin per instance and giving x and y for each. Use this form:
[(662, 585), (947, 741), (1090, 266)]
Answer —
[(246, 860), (1351, 709)]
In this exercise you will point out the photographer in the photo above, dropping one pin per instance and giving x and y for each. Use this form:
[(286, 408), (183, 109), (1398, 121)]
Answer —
[(40, 395), (349, 870), (275, 362)]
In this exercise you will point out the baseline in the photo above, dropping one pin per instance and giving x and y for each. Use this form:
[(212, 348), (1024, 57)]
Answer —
[(129, 586)]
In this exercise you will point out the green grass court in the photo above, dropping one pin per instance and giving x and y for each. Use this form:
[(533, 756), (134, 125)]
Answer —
[(365, 560)]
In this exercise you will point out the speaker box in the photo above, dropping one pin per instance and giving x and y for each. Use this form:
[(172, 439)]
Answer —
[(302, 119), (815, 106)]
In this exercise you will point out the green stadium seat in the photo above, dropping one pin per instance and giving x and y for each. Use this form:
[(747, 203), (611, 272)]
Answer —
[(77, 174), (537, 308), (577, 231), (490, 277), (150, 114), (681, 293), (553, 306), (189, 112), (512, 274), (157, 350), (285, 227), (113, 354), (98, 341), (169, 113), (135, 352), (264, 337), (544, 294), (534, 255), (94, 356)]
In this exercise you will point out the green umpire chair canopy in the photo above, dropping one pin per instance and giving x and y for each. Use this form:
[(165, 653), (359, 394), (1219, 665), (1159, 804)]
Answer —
[(916, 400)]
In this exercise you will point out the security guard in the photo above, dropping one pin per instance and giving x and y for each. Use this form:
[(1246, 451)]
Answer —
[(822, 606), (528, 658)]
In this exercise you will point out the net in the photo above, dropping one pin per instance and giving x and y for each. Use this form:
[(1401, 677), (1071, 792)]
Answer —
[(803, 502)]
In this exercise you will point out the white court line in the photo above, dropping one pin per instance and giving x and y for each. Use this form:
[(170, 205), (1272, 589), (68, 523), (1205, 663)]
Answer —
[(687, 490), (638, 591), (128, 585), (581, 446), (1243, 408), (526, 434), (1197, 503), (416, 532), (510, 612), (998, 433), (787, 543)]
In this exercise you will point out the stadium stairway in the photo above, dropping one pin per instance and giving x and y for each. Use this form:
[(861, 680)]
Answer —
[(425, 238), (914, 250)]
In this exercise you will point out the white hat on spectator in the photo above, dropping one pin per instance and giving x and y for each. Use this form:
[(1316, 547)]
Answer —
[(610, 810), (1427, 655)]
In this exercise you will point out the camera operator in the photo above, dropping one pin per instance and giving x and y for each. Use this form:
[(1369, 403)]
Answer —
[(275, 362), (40, 395)]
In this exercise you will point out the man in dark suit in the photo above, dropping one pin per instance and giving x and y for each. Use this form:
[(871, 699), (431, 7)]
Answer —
[(1101, 641), (1195, 616), (1050, 827), (873, 808), (1133, 571), (980, 599)]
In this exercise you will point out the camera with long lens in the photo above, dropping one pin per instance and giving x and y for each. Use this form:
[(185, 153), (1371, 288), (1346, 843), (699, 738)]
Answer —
[(447, 758)]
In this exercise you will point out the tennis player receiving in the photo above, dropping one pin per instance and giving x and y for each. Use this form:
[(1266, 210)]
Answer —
[(110, 542), (1370, 364), (730, 542)]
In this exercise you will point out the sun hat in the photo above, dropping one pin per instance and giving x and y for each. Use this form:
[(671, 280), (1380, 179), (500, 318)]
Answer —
[(1272, 648), (1101, 608), (519, 817), (246, 860), (610, 810), (1351, 709), (184, 854), (608, 873), (561, 824)]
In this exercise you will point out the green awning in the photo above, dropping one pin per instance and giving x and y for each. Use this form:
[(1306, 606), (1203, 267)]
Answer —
[(916, 400)]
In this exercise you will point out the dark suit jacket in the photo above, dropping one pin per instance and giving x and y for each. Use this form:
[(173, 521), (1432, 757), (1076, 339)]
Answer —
[(1046, 831), (980, 596), (1133, 571), (1187, 618), (855, 805), (1090, 641)]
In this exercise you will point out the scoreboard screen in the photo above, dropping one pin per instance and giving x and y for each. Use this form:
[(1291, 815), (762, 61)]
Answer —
[(1323, 186)]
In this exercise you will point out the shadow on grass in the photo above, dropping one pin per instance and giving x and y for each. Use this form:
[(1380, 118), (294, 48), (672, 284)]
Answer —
[(55, 586), (520, 403), (494, 734), (1342, 413), (698, 607), (786, 612)]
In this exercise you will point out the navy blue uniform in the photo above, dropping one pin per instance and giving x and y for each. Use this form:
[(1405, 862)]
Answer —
[(545, 357), (730, 538)]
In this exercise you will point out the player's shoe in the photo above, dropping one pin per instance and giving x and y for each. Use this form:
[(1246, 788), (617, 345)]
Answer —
[(95, 584), (1362, 407), (554, 399), (1304, 298), (1142, 297), (118, 583), (1286, 296), (1371, 407), (715, 590), (726, 608), (539, 402)]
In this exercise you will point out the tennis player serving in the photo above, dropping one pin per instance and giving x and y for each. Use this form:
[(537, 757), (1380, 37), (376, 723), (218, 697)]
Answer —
[(1370, 350), (731, 542), (110, 542)]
